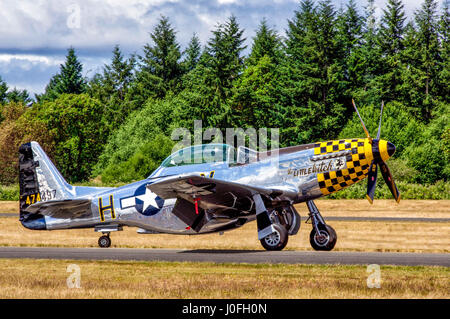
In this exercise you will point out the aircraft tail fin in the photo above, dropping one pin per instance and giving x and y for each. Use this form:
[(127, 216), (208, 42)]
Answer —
[(39, 181)]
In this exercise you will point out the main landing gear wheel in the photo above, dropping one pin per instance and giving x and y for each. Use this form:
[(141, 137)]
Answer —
[(325, 239), (277, 240), (104, 241)]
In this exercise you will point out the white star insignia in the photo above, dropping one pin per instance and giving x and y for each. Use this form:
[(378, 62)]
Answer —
[(149, 199)]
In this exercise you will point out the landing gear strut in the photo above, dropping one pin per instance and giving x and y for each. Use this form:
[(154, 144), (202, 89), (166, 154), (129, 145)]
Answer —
[(104, 241), (271, 234), (322, 236)]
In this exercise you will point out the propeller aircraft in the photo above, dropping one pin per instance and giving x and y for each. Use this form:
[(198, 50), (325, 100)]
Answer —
[(226, 189)]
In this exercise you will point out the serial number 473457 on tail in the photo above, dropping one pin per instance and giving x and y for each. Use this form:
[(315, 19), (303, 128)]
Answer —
[(208, 188)]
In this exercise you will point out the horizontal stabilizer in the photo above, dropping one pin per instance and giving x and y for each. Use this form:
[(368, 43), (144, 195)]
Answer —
[(66, 208)]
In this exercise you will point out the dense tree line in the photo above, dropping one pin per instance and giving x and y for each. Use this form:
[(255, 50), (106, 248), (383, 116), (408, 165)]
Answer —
[(117, 124)]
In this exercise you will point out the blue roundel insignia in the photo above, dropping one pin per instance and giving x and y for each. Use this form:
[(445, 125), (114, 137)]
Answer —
[(147, 202)]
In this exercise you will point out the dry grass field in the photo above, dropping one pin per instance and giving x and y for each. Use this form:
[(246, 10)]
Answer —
[(9, 207), (107, 279), (352, 235)]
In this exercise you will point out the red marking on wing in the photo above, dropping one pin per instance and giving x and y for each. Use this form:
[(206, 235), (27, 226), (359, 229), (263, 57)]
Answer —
[(196, 204)]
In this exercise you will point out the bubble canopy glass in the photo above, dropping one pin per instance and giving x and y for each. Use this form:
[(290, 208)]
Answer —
[(200, 154)]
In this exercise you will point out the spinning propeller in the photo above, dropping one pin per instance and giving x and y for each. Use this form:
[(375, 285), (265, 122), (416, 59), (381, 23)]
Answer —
[(381, 151)]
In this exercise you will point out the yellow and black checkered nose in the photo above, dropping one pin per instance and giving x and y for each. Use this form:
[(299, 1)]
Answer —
[(358, 153), (358, 156)]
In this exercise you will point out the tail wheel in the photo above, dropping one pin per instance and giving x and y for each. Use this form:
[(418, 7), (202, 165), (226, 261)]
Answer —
[(277, 240), (104, 241), (325, 239)]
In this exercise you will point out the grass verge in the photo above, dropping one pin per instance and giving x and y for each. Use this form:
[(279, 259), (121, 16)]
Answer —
[(27, 278)]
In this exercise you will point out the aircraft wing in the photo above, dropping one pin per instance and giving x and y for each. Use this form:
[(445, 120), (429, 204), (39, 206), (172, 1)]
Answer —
[(67, 208), (195, 194)]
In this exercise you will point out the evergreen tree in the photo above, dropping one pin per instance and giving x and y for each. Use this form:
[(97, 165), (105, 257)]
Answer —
[(111, 87), (370, 50), (444, 63), (160, 69), (392, 27), (312, 80), (428, 47), (391, 44), (350, 29), (349, 35), (224, 55), (69, 80), (3, 90), (255, 101), (17, 96), (410, 90), (50, 92), (208, 88), (192, 53), (426, 20), (265, 43), (365, 64), (299, 28), (298, 70), (119, 74)]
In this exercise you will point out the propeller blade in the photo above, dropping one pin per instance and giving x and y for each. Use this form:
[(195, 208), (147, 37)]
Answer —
[(389, 180), (381, 115), (360, 118), (372, 181)]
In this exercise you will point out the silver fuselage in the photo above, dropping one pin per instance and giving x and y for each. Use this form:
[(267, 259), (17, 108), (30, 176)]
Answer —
[(303, 172)]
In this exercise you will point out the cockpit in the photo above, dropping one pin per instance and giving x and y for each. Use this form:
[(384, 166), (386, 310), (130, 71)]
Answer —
[(199, 157), (200, 154)]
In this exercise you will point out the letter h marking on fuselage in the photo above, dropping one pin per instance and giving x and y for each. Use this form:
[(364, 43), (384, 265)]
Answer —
[(102, 209)]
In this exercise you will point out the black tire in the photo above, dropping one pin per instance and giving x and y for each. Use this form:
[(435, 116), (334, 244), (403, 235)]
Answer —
[(277, 240), (104, 241), (326, 242)]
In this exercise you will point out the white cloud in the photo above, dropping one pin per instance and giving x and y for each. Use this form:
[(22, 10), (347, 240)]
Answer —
[(227, 1), (30, 58)]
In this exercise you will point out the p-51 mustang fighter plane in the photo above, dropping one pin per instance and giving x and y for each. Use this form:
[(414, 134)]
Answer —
[(223, 190)]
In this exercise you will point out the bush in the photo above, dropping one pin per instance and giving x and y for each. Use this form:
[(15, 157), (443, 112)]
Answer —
[(79, 130), (141, 127), (20, 125), (9, 192), (401, 171), (429, 152), (145, 160)]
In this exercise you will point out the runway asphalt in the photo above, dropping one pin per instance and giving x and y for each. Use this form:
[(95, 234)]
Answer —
[(229, 256)]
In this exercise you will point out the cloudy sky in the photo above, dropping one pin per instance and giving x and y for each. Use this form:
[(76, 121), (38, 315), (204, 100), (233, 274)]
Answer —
[(35, 34)]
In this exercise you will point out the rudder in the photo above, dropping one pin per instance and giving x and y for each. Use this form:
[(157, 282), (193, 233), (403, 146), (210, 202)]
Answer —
[(39, 181)]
